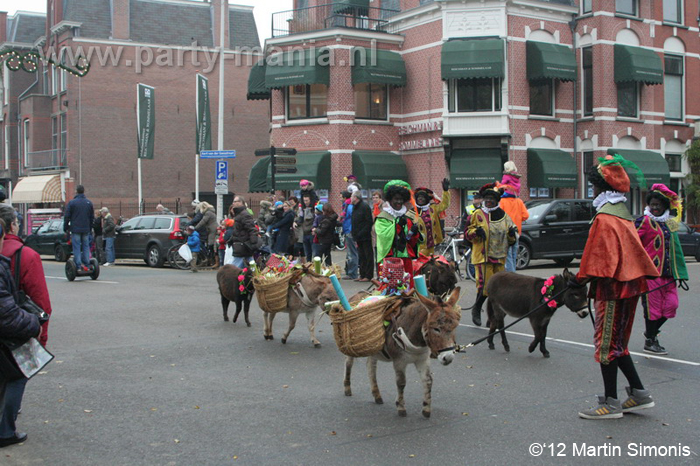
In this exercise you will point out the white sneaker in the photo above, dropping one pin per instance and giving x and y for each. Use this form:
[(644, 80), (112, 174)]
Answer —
[(106, 264)]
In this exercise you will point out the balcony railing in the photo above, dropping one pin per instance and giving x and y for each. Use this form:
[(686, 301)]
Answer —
[(46, 159), (321, 17)]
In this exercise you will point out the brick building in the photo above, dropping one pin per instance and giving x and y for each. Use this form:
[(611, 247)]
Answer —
[(459, 87), (74, 129)]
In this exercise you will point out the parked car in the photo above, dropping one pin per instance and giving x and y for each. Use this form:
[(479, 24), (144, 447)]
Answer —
[(50, 238), (557, 229), (690, 241), (149, 237)]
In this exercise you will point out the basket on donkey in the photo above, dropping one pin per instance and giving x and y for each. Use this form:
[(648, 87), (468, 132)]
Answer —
[(272, 291), (360, 332)]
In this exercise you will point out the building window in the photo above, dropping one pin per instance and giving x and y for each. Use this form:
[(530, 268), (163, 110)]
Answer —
[(674, 162), (673, 11), (371, 101), (475, 95), (542, 97), (45, 83), (626, 7), (627, 99), (587, 56), (307, 101), (7, 146), (54, 133), (64, 134), (63, 80), (673, 87), (586, 6), (25, 132), (587, 164), (5, 86)]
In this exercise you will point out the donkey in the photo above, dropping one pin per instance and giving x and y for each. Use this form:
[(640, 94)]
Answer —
[(308, 293), (440, 277), (422, 329), (229, 288), (516, 295)]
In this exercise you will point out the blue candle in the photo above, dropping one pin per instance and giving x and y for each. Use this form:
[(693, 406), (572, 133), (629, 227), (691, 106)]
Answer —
[(339, 291), (421, 288)]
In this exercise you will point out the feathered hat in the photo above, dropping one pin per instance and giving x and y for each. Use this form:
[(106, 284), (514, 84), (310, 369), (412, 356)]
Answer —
[(673, 199), (491, 189), (427, 192), (350, 178), (612, 169)]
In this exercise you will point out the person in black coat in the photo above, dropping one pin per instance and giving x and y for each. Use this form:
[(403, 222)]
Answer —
[(243, 235), (77, 220), (362, 235), (284, 228), (325, 233)]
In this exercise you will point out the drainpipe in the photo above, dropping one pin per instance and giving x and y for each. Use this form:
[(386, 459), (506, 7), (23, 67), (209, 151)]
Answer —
[(582, 181)]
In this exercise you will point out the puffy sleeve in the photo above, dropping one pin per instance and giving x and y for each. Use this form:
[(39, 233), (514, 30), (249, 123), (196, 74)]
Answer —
[(385, 230)]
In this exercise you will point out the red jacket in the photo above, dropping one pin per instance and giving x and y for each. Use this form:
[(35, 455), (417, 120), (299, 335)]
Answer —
[(32, 279)]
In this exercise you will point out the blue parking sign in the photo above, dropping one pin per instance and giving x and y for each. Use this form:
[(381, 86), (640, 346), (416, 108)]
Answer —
[(221, 170)]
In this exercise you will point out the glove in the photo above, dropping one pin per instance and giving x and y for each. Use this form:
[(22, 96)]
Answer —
[(445, 184), (402, 221), (480, 233), (414, 229), (512, 231)]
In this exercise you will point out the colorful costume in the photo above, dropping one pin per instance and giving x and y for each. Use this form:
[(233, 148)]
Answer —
[(430, 215)]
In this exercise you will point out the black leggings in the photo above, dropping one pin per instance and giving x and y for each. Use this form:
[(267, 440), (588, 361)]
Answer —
[(609, 371)]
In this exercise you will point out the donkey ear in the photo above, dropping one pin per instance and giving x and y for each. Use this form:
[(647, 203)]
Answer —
[(566, 273), (454, 297), (427, 302)]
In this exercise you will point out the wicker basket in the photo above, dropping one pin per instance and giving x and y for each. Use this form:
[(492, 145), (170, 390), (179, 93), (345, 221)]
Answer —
[(272, 292), (360, 332)]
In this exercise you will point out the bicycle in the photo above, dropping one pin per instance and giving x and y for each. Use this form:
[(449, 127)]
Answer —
[(454, 250), (204, 258)]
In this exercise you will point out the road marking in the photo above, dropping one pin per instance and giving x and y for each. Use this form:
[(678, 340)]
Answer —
[(588, 345), (96, 281)]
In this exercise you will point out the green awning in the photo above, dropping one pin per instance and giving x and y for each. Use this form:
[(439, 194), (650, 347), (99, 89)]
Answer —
[(314, 166), (638, 65), (473, 168), (374, 169), (256, 82), (550, 168), (652, 164), (473, 58), (297, 67), (258, 181), (550, 61), (347, 6), (378, 67)]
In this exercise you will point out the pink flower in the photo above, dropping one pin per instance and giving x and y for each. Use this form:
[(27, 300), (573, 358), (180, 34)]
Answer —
[(241, 288), (552, 303), (241, 278), (245, 270), (549, 281), (544, 290)]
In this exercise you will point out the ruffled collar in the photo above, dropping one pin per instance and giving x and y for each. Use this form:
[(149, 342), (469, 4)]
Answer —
[(662, 219), (488, 210), (424, 207), (611, 197), (394, 213)]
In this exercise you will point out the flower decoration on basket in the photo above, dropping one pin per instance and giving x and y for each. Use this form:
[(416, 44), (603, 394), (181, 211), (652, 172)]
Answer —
[(279, 264), (241, 279), (547, 291)]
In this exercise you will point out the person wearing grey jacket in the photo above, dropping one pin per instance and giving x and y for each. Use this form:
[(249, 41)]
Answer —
[(109, 232), (305, 220)]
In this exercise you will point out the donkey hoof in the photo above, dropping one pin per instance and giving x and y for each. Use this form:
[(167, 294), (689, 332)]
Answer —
[(225, 319), (426, 413), (348, 391), (317, 345), (248, 324), (546, 355), (379, 400), (284, 341), (402, 412)]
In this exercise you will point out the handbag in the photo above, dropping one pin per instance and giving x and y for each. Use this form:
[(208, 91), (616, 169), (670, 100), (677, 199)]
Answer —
[(22, 299), (241, 249), (23, 361)]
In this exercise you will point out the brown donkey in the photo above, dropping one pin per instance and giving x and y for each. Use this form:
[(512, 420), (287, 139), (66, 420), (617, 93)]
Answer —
[(422, 329)]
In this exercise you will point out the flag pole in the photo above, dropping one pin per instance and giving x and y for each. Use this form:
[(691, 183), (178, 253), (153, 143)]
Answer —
[(220, 132)]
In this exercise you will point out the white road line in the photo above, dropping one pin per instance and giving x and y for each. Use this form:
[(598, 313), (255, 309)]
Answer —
[(588, 345), (94, 281)]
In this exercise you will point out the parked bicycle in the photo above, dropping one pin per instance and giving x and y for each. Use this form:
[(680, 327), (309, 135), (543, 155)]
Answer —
[(455, 250)]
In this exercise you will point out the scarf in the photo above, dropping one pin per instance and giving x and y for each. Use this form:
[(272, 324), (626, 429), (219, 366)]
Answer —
[(612, 197), (662, 219)]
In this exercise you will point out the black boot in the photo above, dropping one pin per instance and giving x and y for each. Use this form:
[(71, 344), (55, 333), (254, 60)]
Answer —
[(476, 310), (651, 345)]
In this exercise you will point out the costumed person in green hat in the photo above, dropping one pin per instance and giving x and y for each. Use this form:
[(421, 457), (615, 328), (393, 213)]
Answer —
[(398, 227), (657, 229), (491, 233), (617, 265), (429, 212)]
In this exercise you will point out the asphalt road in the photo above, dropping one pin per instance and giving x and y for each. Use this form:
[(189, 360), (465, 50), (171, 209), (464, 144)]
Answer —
[(148, 373)]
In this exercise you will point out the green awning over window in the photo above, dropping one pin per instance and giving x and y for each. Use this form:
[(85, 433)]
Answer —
[(473, 168), (256, 82), (258, 181), (314, 166), (297, 67), (652, 164), (550, 168), (550, 61), (473, 58), (638, 65), (378, 67), (347, 6), (374, 169)]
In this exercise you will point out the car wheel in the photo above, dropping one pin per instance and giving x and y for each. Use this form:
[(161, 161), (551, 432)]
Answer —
[(59, 253), (524, 256), (564, 261), (154, 258), (697, 254)]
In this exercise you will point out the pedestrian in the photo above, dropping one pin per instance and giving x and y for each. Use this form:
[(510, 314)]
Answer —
[(16, 325), (325, 233), (206, 228), (514, 207), (305, 222), (109, 232), (99, 240), (77, 221), (195, 245), (377, 203), (429, 213), (297, 246), (362, 234), (306, 187), (283, 229), (351, 256), (491, 232), (220, 241), (161, 209), (616, 264), (657, 229), (318, 216), (242, 236), (398, 227), (469, 210), (353, 185)]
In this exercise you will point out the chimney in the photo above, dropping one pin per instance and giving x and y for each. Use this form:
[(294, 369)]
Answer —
[(216, 31), (120, 19), (3, 27)]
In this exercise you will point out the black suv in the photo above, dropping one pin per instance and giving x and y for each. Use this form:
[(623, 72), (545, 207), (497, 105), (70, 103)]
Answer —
[(149, 237), (557, 229)]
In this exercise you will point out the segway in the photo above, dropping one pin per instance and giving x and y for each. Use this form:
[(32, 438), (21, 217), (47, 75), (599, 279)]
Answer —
[(72, 271)]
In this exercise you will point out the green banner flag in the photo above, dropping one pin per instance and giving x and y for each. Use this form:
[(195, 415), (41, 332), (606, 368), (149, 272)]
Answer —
[(146, 120), (203, 115)]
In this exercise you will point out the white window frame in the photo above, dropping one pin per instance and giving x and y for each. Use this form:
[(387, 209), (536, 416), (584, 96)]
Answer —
[(54, 82), (63, 81), (386, 103), (636, 9), (583, 7), (682, 85), (681, 15), (553, 96), (308, 104), (25, 141), (452, 96), (638, 92), (5, 86)]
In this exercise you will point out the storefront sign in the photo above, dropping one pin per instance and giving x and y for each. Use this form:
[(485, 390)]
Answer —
[(420, 128), (421, 144)]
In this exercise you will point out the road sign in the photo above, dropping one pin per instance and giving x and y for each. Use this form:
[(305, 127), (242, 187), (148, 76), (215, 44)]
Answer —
[(221, 170), (217, 154), (284, 160), (221, 187), (285, 169), (277, 151)]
